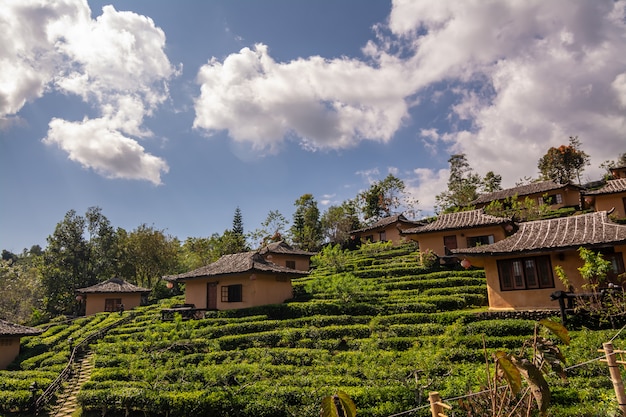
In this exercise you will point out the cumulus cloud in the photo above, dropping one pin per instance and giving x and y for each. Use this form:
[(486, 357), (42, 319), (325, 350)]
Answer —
[(329, 104), (115, 63), (524, 76)]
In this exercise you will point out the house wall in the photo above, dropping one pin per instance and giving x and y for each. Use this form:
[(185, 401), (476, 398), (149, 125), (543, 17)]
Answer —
[(535, 299), (95, 301), (303, 262), (9, 349), (434, 241), (392, 234), (606, 202), (257, 289)]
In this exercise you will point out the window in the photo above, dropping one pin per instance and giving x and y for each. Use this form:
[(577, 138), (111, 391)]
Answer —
[(550, 199), (232, 293), (6, 342), (617, 264), (290, 264), (369, 238), (525, 273), (382, 236), (112, 304), (449, 242), (479, 240)]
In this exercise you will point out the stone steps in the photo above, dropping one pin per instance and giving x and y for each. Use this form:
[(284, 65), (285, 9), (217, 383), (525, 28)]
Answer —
[(67, 403)]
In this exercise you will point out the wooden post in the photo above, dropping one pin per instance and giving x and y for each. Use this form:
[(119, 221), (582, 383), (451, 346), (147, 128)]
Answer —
[(616, 376), (436, 406)]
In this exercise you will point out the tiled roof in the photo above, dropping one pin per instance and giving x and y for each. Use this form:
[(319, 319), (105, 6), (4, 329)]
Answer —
[(458, 220), (611, 187), (386, 221), (593, 229), (235, 264), (283, 248), (12, 329), (113, 285), (521, 191)]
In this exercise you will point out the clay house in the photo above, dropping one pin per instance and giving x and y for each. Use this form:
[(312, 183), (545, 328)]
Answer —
[(611, 196), (545, 192), (111, 295), (618, 172), (520, 269), (235, 281), (283, 254), (10, 336), (463, 229), (384, 230)]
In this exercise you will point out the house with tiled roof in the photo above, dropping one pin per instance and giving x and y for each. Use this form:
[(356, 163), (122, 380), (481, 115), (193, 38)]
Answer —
[(112, 295), (384, 230), (283, 254), (236, 281), (520, 269), (10, 337), (611, 196), (458, 230), (544, 192)]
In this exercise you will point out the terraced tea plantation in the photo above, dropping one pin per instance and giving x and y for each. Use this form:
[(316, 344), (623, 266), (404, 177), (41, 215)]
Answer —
[(374, 323)]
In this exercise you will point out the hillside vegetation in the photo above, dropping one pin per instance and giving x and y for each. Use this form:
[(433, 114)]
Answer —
[(375, 323)]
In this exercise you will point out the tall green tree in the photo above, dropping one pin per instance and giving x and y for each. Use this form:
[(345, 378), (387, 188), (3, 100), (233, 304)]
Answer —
[(491, 182), (338, 221), (463, 185), (272, 229), (306, 231), (239, 238), (564, 164), (150, 254), (608, 165), (22, 291), (385, 198), (66, 264)]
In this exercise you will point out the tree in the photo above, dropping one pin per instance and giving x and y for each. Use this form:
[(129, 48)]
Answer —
[(306, 231), (491, 182), (384, 198), (149, 255), (463, 184), (565, 163), (22, 292), (272, 229), (338, 221), (608, 165), (239, 239), (66, 264)]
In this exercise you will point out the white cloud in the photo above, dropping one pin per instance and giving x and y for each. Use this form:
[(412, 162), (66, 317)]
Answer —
[(115, 63), (555, 69), (424, 184), (325, 103)]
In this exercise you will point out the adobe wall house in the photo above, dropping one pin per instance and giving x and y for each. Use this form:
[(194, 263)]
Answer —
[(385, 229), (10, 335), (548, 192), (459, 230), (610, 196), (520, 268), (235, 281), (282, 254), (110, 295)]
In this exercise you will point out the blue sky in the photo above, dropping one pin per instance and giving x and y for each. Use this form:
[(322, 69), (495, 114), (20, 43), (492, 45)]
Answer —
[(175, 113)]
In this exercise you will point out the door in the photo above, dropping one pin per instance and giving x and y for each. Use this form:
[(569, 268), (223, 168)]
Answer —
[(211, 295)]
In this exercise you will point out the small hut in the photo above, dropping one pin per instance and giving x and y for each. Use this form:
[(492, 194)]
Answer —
[(114, 294), (10, 334)]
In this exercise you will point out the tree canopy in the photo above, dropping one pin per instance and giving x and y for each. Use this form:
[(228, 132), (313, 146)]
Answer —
[(564, 164)]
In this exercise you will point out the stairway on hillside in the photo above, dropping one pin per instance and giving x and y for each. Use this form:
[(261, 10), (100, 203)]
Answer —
[(67, 402)]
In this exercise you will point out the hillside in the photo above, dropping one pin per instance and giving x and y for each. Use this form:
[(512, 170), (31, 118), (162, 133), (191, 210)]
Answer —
[(374, 323)]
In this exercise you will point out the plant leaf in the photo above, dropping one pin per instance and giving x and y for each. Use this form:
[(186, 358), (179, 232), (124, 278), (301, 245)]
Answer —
[(557, 329), (510, 371), (338, 405), (537, 383)]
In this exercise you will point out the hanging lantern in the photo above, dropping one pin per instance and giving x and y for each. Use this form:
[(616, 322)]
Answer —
[(252, 277), (508, 228), (465, 263), (79, 298), (169, 285)]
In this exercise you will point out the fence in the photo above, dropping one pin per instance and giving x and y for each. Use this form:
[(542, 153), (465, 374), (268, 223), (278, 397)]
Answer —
[(48, 394)]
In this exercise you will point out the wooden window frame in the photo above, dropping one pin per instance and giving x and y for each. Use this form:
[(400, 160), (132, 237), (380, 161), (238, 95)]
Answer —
[(290, 264), (112, 304), (232, 293), (528, 273)]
